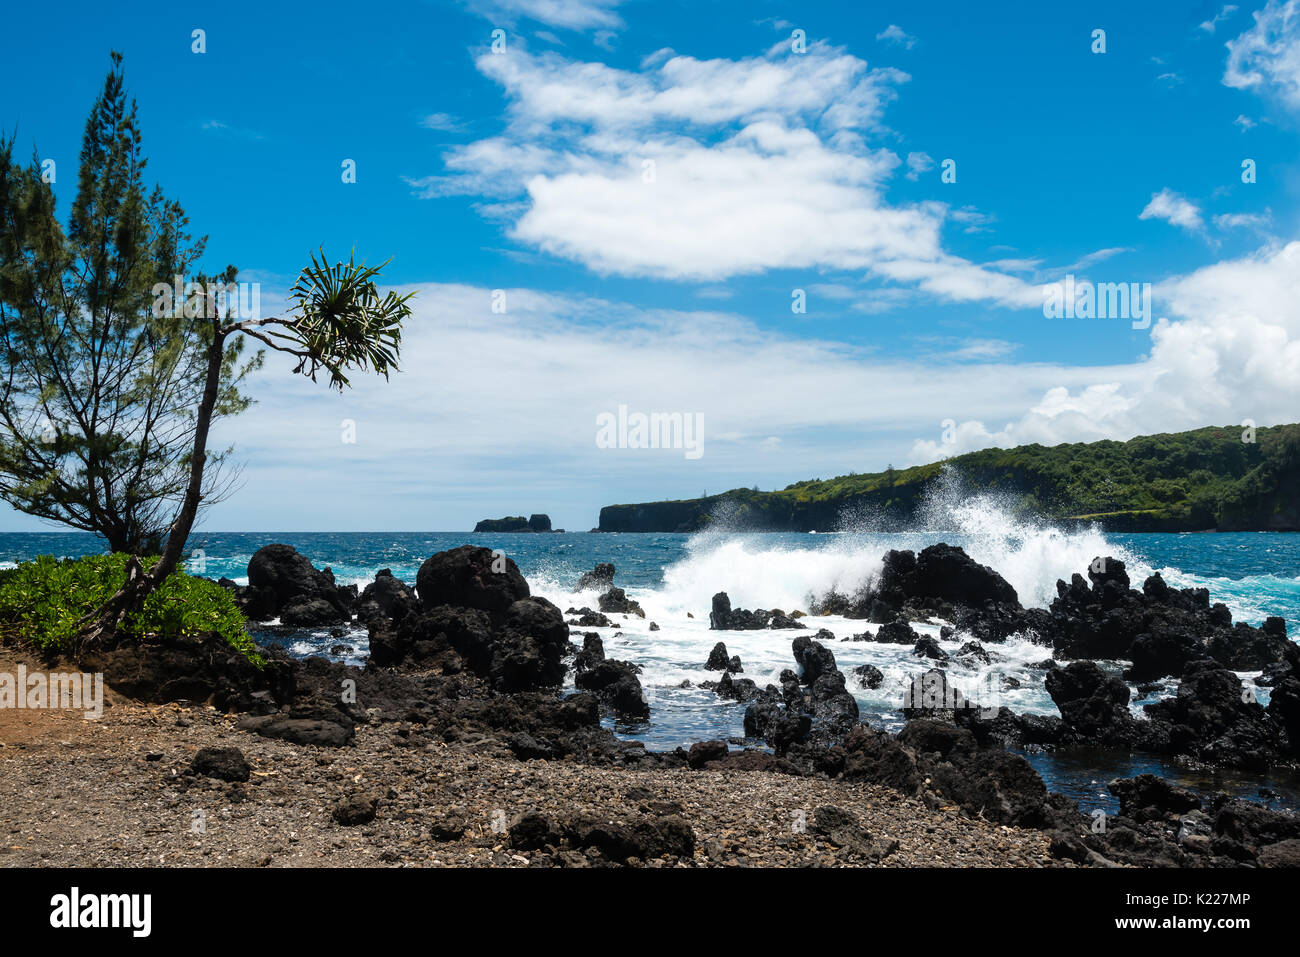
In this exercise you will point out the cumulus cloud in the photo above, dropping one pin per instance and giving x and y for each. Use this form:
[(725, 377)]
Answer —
[(1266, 58), (1228, 349), (700, 170), (1173, 209)]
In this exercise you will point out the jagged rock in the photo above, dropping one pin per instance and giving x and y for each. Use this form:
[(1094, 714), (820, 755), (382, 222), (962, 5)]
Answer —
[(386, 597), (616, 685), (600, 578), (586, 618), (927, 647), (470, 577), (718, 659), (592, 653), (615, 601), (896, 632), (1093, 705), (869, 676), (1149, 796), (286, 578), (814, 658)]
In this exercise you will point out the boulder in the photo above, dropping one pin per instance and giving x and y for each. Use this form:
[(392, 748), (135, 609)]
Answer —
[(224, 764), (1093, 705), (288, 577), (615, 601), (600, 578), (616, 685), (1148, 795), (470, 577), (386, 597), (869, 676), (814, 658)]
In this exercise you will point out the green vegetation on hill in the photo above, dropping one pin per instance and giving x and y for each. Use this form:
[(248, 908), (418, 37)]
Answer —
[(1185, 481), (43, 600)]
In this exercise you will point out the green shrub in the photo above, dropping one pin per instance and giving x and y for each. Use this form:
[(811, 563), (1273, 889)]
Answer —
[(46, 597)]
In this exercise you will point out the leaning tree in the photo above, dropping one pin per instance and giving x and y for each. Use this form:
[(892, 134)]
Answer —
[(98, 387), (109, 387), (339, 321)]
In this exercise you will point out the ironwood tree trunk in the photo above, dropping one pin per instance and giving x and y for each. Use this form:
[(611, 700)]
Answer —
[(101, 626)]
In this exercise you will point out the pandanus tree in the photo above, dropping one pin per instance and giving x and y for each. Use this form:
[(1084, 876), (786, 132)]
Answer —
[(107, 400), (339, 322)]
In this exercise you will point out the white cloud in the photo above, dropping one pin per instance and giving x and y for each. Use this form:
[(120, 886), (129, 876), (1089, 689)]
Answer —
[(918, 163), (1209, 25), (489, 404), (444, 122), (1173, 209), (1245, 122), (1266, 57), (1256, 221), (1229, 351), (567, 14), (705, 169), (896, 35)]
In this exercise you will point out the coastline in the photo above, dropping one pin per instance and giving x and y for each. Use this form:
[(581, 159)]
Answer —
[(114, 793)]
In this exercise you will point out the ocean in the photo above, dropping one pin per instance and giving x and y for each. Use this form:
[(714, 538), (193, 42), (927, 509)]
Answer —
[(674, 576)]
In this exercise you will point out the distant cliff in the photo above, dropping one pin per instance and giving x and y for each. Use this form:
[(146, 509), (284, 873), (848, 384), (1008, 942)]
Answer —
[(516, 523), (1187, 481)]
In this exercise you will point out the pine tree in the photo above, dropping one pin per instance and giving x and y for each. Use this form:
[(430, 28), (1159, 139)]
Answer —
[(107, 396), (97, 391)]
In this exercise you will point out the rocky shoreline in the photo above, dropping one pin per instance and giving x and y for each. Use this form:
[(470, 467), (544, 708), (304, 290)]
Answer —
[(459, 705)]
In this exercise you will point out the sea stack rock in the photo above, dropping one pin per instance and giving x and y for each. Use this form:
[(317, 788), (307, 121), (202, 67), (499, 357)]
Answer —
[(516, 523)]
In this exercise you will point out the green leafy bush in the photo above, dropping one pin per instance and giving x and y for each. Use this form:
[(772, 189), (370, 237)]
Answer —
[(45, 598)]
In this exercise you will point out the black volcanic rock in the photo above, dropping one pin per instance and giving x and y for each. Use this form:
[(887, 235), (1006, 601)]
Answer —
[(814, 658), (386, 597), (869, 676), (1093, 705), (896, 633), (280, 577), (717, 658), (1148, 793), (225, 764), (617, 687), (615, 601), (600, 578), (1214, 719), (470, 577), (1159, 629), (478, 617), (515, 523), (724, 618)]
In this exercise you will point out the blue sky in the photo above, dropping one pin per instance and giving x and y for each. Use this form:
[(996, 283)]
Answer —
[(774, 170)]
